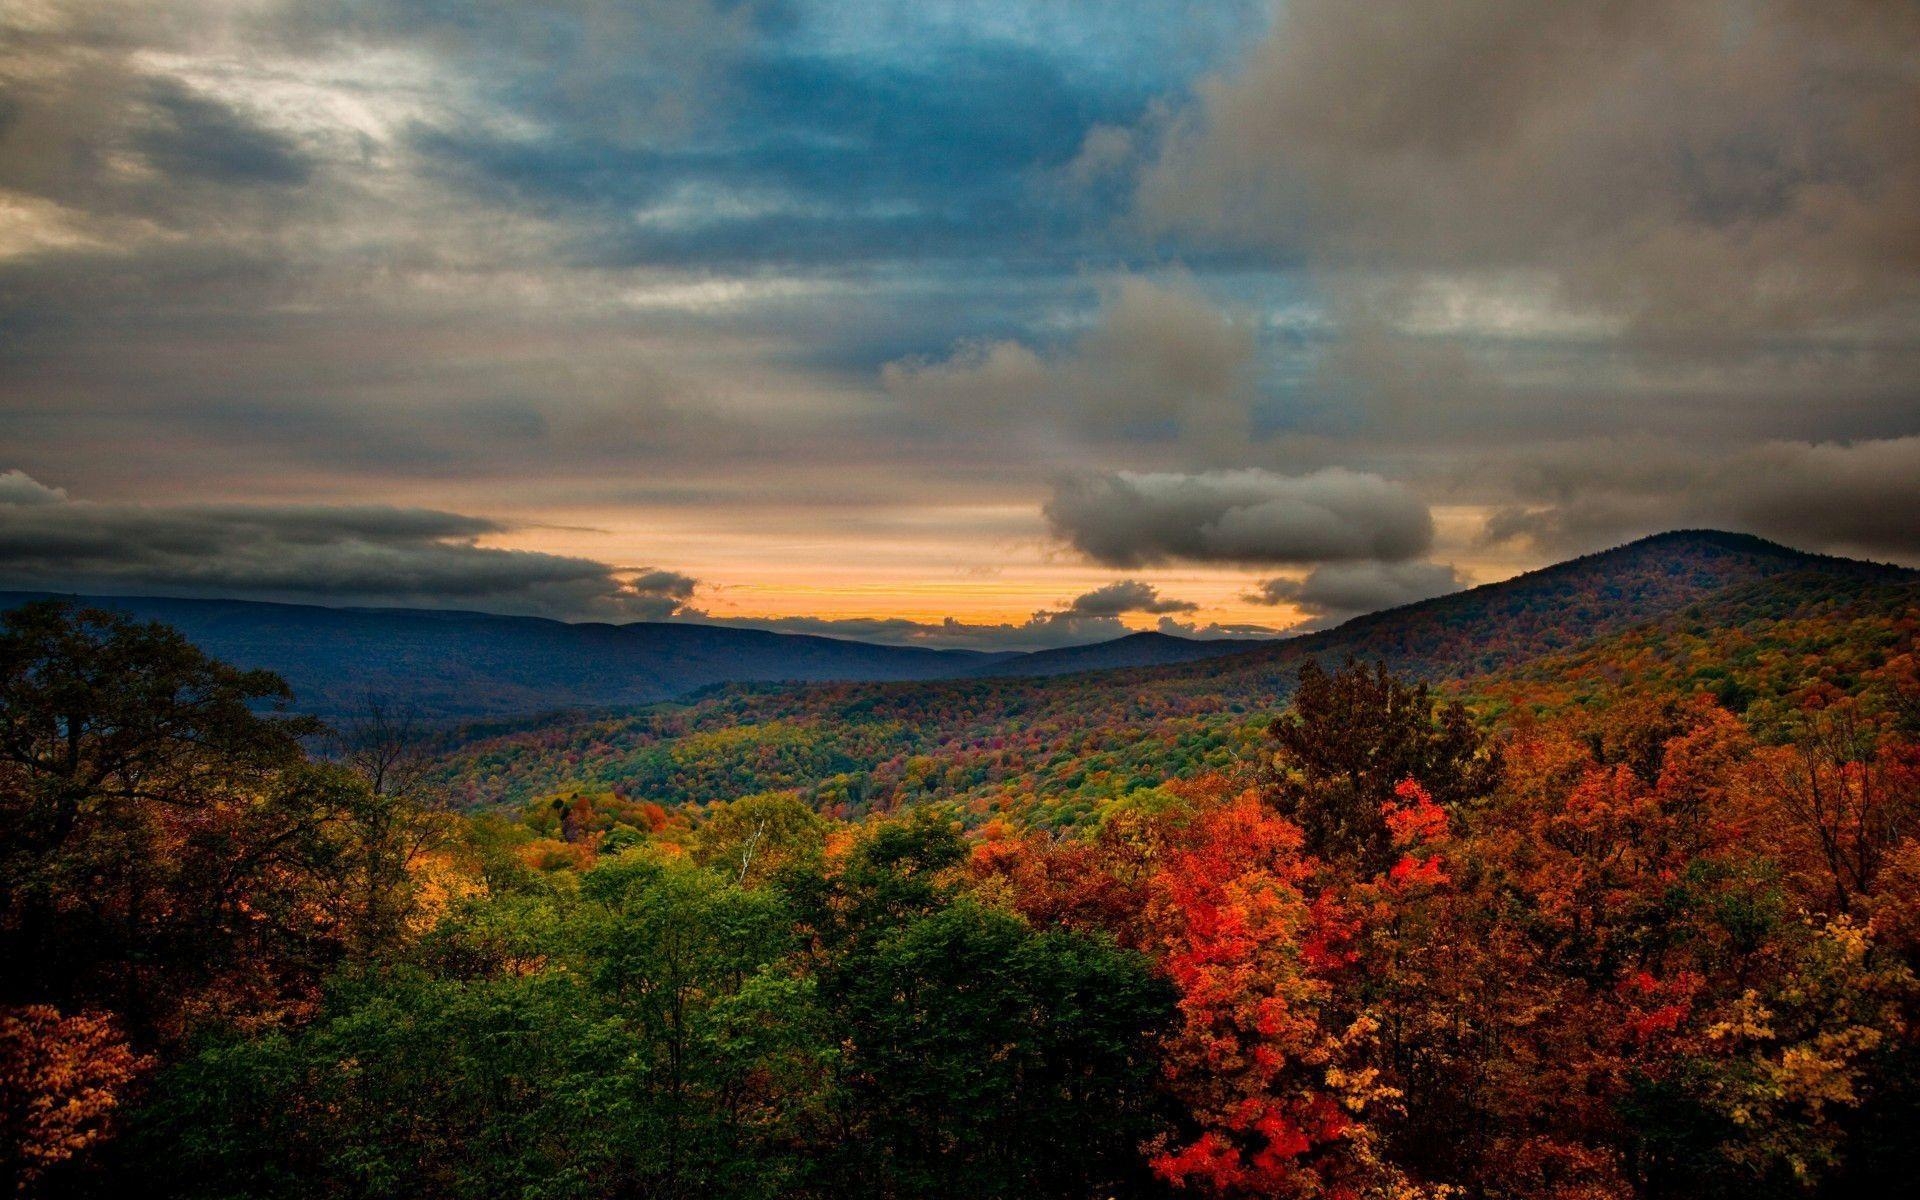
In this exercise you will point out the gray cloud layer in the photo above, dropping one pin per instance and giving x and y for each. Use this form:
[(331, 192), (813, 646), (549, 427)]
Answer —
[(382, 555), (1125, 596), (822, 254), (1161, 361), (1862, 498), (1707, 166), (1335, 592), (1124, 519), (369, 554)]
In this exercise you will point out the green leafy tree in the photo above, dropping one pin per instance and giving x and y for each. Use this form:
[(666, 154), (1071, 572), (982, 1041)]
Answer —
[(751, 839), (981, 1057), (624, 1041)]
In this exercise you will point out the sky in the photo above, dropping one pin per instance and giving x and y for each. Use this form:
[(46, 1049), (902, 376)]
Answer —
[(985, 323)]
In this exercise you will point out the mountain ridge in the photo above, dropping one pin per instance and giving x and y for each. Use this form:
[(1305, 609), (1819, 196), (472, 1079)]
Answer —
[(1075, 738), (464, 665), (460, 664), (1609, 590), (1148, 647)]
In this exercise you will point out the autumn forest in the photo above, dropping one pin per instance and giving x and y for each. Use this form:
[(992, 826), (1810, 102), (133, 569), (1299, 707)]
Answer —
[(1633, 916)]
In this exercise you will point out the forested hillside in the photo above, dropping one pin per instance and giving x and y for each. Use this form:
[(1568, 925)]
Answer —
[(1747, 620), (1640, 924)]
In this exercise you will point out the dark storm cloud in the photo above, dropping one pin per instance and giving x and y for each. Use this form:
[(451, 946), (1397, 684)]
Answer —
[(199, 138), (670, 584), (382, 555), (1707, 167), (360, 554), (1861, 497), (1125, 519), (1539, 228), (1333, 593), (1126, 596), (358, 247), (90, 129)]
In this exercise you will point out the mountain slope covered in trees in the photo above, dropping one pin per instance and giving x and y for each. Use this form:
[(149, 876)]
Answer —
[(1073, 739), (1591, 935)]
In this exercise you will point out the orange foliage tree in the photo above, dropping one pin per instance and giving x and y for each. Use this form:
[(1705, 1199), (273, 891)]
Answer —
[(1272, 1090), (63, 1079)]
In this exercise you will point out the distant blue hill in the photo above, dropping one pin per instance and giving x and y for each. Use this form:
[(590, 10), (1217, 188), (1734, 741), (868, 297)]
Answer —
[(467, 665), (1150, 649)]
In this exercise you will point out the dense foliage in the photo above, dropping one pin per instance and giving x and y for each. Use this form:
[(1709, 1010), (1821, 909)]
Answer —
[(1054, 749), (171, 861), (1637, 920)]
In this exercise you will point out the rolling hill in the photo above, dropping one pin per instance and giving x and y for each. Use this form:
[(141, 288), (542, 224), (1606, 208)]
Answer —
[(468, 665), (1147, 649), (465, 664), (1543, 612), (1073, 738)]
